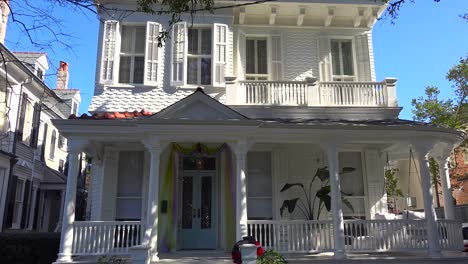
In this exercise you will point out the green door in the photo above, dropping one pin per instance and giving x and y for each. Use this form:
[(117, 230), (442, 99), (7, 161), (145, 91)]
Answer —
[(198, 210)]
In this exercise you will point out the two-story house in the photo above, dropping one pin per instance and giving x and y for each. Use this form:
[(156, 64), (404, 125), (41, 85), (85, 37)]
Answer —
[(208, 136), (34, 153)]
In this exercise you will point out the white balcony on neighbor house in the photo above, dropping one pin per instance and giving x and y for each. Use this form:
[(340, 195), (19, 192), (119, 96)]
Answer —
[(311, 93)]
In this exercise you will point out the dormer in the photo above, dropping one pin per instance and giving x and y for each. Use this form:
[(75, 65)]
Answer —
[(36, 61)]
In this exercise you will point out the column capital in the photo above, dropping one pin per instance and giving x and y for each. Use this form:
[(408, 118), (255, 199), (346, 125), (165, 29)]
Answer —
[(331, 145), (240, 147), (422, 147), (76, 145), (154, 145)]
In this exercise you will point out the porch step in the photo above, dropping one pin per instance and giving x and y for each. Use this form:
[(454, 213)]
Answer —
[(195, 256)]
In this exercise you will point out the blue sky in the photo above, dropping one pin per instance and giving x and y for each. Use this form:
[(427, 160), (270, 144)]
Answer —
[(426, 40)]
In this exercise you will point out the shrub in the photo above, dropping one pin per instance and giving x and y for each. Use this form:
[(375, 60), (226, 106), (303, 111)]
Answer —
[(29, 248), (271, 257)]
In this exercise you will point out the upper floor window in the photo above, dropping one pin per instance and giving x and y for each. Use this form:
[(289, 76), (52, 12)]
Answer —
[(52, 145), (18, 207), (61, 142), (342, 60), (198, 55), (256, 59), (132, 54), (138, 54)]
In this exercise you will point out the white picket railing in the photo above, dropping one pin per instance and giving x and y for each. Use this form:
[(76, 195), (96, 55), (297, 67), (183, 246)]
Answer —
[(103, 237), (353, 93), (293, 236), (450, 234), (360, 235), (385, 235), (273, 93)]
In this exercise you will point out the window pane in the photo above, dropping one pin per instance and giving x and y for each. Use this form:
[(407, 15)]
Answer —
[(250, 56), (221, 53), (187, 205), (206, 41), (193, 41), (140, 40), (347, 53), (138, 70), (205, 221), (206, 71), (335, 52), (262, 56), (130, 174), (126, 45), (192, 71), (128, 209), (124, 69)]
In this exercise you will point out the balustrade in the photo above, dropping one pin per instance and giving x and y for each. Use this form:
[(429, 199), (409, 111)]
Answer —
[(99, 238)]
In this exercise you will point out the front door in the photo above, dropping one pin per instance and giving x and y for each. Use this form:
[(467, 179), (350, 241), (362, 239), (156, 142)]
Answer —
[(198, 210)]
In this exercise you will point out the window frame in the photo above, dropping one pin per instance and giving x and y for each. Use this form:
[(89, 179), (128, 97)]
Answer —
[(132, 54), (343, 78), (18, 204), (109, 60), (199, 56), (256, 76)]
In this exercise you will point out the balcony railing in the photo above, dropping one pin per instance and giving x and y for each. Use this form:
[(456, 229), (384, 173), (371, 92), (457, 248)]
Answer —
[(311, 93)]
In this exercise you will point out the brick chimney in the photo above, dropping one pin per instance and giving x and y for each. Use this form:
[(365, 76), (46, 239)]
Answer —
[(5, 11), (62, 76)]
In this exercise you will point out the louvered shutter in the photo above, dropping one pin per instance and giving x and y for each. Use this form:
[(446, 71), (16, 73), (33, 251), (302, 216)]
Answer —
[(325, 58), (276, 59), (219, 53), (152, 53), (179, 54), (22, 115), (241, 46), (108, 51), (362, 58), (35, 125)]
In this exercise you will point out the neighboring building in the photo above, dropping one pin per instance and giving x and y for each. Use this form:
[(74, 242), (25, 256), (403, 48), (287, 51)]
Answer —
[(33, 152), (245, 101), (459, 175)]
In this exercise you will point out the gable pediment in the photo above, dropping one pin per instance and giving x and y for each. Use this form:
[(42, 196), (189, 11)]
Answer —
[(199, 106)]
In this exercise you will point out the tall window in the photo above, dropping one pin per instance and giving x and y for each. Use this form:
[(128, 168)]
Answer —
[(132, 55), (342, 60), (199, 56), (61, 141), (19, 196), (129, 186), (44, 141), (256, 59), (35, 125), (52, 145), (259, 188), (22, 115)]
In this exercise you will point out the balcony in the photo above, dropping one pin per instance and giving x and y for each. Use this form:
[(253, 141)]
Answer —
[(311, 93)]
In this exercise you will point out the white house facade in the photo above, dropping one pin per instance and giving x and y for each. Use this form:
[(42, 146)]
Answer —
[(262, 120)]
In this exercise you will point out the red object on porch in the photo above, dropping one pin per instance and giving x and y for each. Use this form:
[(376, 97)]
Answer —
[(236, 254)]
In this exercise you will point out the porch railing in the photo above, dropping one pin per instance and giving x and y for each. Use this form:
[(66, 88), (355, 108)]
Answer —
[(360, 235), (311, 93), (273, 92), (103, 237), (293, 236)]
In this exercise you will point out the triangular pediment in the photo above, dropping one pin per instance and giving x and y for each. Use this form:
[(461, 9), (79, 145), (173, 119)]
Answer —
[(199, 106)]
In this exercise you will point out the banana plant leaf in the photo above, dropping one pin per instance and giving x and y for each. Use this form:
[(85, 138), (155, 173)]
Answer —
[(289, 205), (323, 195), (289, 185), (323, 174)]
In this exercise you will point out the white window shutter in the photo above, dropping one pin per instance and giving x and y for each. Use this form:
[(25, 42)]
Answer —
[(325, 59), (219, 53), (276, 59), (109, 51), (241, 46), (179, 54), (362, 58), (151, 54)]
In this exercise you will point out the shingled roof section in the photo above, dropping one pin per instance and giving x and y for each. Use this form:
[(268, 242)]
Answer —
[(115, 115)]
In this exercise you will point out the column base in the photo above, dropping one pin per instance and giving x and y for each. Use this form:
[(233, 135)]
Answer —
[(340, 255), (154, 257), (64, 258)]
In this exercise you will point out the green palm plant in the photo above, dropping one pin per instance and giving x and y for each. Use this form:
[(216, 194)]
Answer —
[(310, 208)]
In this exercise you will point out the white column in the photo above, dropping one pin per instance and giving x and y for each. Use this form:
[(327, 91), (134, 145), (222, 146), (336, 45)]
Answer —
[(230, 82), (97, 175), (313, 95), (422, 154), (449, 209), (336, 208), (240, 149), (75, 147), (151, 232)]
